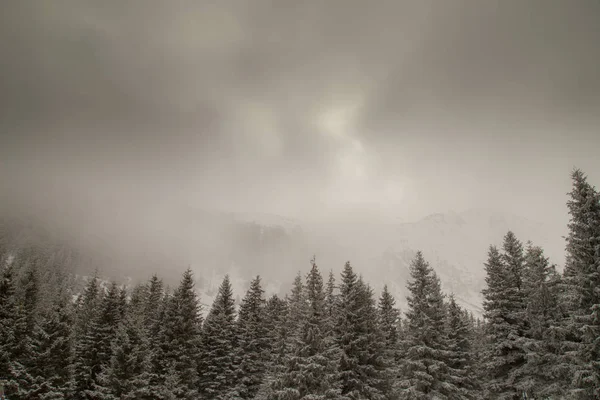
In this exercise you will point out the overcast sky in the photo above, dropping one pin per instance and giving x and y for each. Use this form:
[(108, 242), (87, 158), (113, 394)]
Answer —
[(299, 108)]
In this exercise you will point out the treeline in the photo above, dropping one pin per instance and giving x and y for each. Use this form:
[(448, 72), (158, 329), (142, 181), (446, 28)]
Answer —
[(326, 339)]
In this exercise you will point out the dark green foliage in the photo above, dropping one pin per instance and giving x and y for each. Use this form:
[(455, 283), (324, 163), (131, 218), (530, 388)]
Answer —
[(310, 370), (460, 362), (181, 338), (51, 366), (217, 366), (389, 319), (426, 371), (362, 368), (128, 373), (580, 291), (253, 350)]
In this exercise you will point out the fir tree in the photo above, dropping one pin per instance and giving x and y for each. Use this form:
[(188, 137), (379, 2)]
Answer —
[(127, 375), (540, 287), (503, 307), (276, 312), (12, 327), (362, 368), (181, 338), (252, 338), (460, 356), (389, 318), (581, 282), (51, 368), (310, 369), (426, 373), (93, 353), (217, 367)]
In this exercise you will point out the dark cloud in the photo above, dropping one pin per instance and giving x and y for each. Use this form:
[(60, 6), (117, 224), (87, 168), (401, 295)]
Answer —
[(300, 107)]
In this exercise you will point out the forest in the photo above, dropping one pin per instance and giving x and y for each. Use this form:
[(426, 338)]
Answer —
[(330, 337)]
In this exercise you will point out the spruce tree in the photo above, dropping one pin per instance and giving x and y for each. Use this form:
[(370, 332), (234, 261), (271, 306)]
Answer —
[(217, 366), (310, 370), (128, 373), (276, 312), (52, 369), (253, 349), (362, 368), (181, 338), (503, 304), (12, 327), (93, 353), (542, 372), (389, 317), (581, 283), (426, 372), (460, 355)]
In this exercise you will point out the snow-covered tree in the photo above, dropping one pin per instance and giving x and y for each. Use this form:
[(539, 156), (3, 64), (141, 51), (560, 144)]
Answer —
[(253, 349), (93, 352), (51, 367), (581, 288), (425, 370), (504, 312), (362, 368), (217, 367), (181, 338), (128, 373), (310, 369), (460, 362)]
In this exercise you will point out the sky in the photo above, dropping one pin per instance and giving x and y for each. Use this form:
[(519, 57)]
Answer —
[(308, 109)]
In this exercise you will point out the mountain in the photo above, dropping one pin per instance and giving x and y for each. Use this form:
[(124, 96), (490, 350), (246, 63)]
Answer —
[(245, 245)]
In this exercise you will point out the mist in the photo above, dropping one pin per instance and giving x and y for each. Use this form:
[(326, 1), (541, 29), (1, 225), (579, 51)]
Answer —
[(127, 121)]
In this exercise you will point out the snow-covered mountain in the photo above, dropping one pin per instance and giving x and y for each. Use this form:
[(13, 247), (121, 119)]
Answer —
[(276, 248)]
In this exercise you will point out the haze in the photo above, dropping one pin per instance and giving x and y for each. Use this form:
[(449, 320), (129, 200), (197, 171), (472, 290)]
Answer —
[(117, 115)]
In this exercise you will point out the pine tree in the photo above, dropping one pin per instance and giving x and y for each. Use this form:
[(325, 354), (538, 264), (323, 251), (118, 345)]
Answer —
[(581, 283), (503, 305), (460, 356), (23, 356), (12, 327), (310, 369), (331, 300), (128, 373), (362, 368), (276, 312), (181, 338), (93, 353), (389, 317), (426, 373), (217, 367), (542, 372), (253, 350), (52, 370)]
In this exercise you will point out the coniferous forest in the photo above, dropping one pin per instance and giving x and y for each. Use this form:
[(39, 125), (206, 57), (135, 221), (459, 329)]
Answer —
[(330, 337)]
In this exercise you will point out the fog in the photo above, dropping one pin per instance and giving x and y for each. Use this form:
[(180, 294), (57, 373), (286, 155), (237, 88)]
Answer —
[(125, 119)]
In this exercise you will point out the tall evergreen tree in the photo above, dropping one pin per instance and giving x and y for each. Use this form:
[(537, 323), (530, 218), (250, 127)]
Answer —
[(581, 282), (362, 368), (128, 373), (389, 317), (503, 305), (276, 313), (93, 353), (181, 337), (217, 366), (542, 370), (252, 338), (426, 373), (310, 370), (51, 368), (12, 328), (460, 356)]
